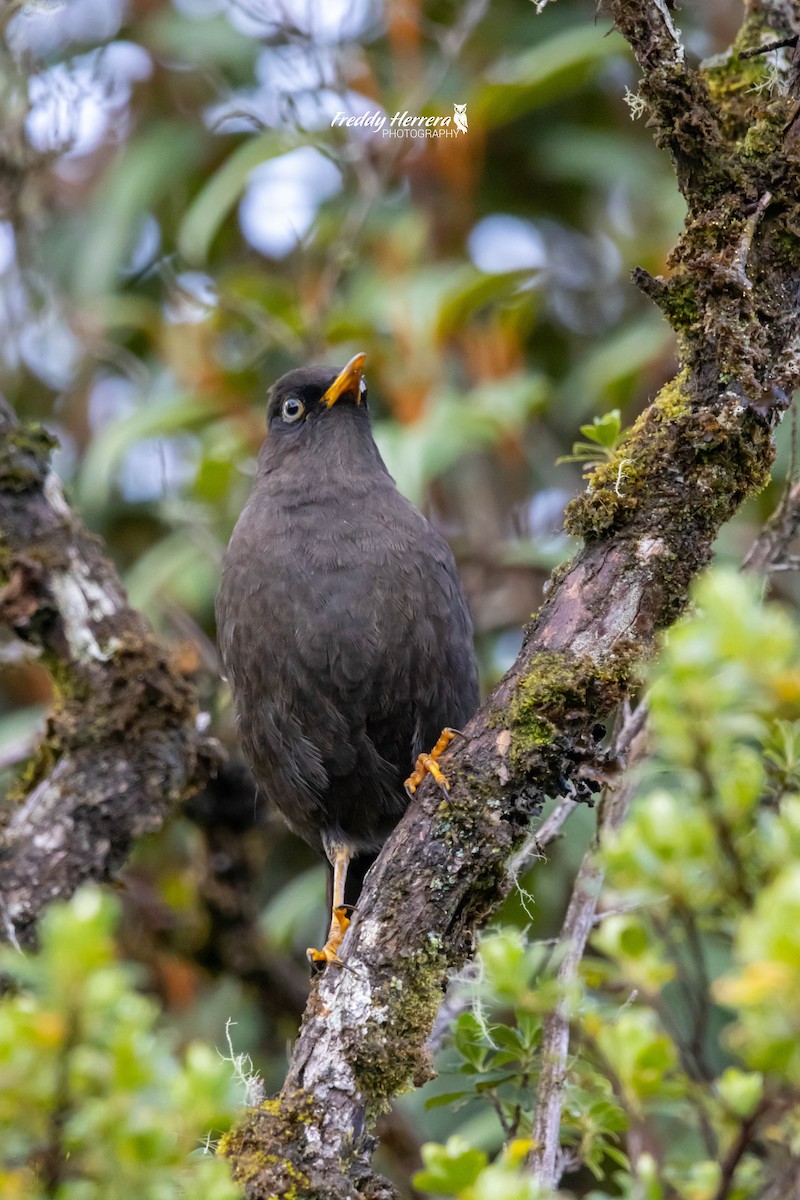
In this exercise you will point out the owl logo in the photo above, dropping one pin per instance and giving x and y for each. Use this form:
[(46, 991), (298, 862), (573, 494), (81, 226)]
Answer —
[(460, 117)]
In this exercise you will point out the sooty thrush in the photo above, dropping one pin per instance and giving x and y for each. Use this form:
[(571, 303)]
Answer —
[(343, 630)]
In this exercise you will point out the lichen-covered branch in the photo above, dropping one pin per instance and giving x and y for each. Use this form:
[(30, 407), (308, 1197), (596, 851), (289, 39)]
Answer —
[(122, 746), (649, 519)]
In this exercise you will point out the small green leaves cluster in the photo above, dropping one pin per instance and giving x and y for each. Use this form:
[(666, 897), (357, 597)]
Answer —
[(456, 1169), (496, 1060), (95, 1100), (604, 435), (683, 1072)]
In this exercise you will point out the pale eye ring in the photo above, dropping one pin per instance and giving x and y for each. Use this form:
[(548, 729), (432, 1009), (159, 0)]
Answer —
[(292, 410)]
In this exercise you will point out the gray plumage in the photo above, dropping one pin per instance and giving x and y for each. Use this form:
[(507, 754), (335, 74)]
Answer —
[(342, 623)]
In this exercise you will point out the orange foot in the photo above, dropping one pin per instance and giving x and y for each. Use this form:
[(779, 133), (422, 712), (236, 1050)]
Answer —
[(426, 764), (330, 951)]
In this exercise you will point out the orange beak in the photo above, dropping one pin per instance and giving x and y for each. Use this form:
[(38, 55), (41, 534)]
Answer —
[(348, 380)]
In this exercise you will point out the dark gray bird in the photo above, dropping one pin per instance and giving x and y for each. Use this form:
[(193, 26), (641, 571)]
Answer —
[(343, 630)]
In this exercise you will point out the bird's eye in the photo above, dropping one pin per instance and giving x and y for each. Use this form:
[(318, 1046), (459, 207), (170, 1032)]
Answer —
[(292, 410)]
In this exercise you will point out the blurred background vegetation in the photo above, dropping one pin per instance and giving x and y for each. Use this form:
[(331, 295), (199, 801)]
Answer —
[(181, 224)]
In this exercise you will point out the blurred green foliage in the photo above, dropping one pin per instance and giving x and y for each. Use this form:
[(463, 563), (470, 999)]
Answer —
[(95, 1099), (684, 1067)]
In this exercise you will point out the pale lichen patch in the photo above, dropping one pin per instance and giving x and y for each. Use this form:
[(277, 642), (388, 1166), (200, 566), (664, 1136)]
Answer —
[(82, 603), (650, 547)]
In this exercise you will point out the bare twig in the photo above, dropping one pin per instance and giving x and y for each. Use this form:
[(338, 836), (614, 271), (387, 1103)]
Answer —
[(650, 31), (547, 1160), (769, 47), (738, 268), (738, 1149), (770, 550), (549, 830)]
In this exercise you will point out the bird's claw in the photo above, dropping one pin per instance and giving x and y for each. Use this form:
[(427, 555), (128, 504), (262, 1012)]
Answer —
[(427, 764), (329, 953)]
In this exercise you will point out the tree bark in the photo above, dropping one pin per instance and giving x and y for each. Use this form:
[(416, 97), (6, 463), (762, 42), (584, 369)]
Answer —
[(649, 518), (124, 744)]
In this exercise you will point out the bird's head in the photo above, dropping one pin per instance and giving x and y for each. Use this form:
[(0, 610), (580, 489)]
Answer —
[(306, 396), (319, 415)]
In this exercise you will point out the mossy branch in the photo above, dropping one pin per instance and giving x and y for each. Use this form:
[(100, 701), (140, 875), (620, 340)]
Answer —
[(649, 519), (122, 745)]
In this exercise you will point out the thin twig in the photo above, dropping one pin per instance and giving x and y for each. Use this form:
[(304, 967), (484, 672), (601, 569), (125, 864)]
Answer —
[(546, 1159), (769, 47), (738, 268), (741, 1143), (770, 550)]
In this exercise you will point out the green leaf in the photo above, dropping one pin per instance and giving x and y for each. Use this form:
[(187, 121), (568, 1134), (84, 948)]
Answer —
[(174, 570), (136, 1108), (604, 430), (524, 81), (476, 290), (529, 1025), (508, 1038), (470, 1042), (740, 1090), (497, 1079), (155, 418), (203, 42), (217, 197), (295, 908), (610, 370), (454, 424), (144, 172), (445, 1099), (450, 1168), (605, 435)]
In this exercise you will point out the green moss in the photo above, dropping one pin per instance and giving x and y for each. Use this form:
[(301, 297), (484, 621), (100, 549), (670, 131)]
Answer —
[(266, 1146), (614, 487), (25, 457), (556, 577), (35, 770), (726, 452), (765, 136), (671, 402), (562, 688), (135, 696), (728, 75), (679, 304), (785, 242), (610, 495), (391, 1060), (752, 111)]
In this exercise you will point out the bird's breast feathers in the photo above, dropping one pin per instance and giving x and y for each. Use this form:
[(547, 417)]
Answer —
[(339, 594)]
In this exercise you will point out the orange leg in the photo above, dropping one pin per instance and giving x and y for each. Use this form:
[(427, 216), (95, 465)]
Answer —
[(340, 859), (427, 764)]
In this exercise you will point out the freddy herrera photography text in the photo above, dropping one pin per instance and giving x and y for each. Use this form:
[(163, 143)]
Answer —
[(406, 124)]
